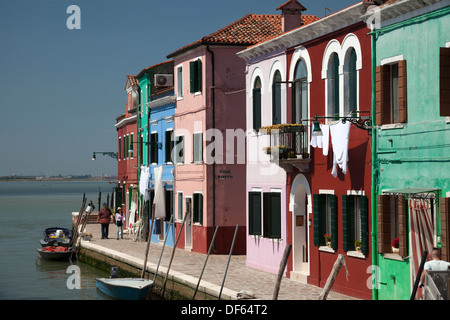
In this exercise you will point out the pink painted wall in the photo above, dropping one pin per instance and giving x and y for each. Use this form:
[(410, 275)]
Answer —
[(194, 114)]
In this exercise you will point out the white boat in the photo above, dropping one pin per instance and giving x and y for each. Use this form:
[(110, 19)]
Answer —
[(125, 288)]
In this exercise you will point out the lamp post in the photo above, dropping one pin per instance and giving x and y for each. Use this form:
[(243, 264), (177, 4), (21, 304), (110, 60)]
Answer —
[(362, 122)]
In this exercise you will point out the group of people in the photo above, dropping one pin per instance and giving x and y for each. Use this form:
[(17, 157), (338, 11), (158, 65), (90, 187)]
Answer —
[(104, 218)]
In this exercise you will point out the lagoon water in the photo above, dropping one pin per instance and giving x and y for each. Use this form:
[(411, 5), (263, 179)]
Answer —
[(26, 209)]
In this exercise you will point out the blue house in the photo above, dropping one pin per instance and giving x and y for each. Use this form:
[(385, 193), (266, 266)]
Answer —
[(161, 111)]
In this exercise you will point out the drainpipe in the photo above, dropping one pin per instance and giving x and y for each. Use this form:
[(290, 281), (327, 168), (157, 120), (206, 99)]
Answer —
[(374, 173), (213, 102)]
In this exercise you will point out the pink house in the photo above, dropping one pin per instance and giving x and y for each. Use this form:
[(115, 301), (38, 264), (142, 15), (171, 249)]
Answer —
[(210, 122)]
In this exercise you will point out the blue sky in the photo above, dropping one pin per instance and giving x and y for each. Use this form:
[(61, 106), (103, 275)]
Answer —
[(61, 90)]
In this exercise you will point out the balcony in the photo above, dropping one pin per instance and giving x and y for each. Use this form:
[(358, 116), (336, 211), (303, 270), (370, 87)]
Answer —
[(289, 146)]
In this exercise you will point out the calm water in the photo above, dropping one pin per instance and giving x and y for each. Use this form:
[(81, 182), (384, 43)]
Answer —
[(26, 209)]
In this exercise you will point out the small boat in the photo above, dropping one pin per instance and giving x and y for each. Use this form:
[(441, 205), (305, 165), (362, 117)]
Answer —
[(53, 253), (125, 288), (58, 237)]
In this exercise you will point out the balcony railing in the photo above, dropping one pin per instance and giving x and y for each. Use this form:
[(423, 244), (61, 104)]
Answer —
[(289, 146)]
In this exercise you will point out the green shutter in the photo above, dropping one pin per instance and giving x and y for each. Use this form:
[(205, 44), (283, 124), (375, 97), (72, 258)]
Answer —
[(348, 223), (336, 85), (352, 82), (364, 206), (195, 72), (334, 221), (254, 213), (272, 215), (197, 147), (256, 109), (319, 213), (180, 206), (198, 208)]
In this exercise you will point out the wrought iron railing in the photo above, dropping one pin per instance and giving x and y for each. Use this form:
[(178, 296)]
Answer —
[(289, 142)]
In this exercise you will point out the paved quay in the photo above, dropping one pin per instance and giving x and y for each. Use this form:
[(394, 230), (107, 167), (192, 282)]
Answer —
[(187, 266)]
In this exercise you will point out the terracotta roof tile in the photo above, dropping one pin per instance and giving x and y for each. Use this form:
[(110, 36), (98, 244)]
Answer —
[(249, 30)]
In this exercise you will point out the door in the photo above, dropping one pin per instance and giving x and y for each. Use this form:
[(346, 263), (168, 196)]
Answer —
[(188, 223)]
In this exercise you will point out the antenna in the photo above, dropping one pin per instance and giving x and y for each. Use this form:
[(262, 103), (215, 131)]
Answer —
[(327, 9)]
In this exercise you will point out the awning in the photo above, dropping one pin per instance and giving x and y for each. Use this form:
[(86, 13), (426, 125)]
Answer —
[(418, 193)]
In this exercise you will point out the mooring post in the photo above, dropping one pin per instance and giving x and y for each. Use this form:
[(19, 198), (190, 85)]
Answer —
[(283, 263)]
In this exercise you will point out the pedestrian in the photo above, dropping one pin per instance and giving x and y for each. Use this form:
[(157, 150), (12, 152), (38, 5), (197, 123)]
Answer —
[(120, 218), (104, 218), (435, 264)]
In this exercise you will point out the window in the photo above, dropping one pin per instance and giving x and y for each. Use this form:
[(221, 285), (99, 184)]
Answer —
[(254, 214), (350, 83), (444, 81), (197, 147), (272, 215), (355, 222), (179, 150), (392, 223), (195, 68), (131, 143), (119, 154), (154, 148), (169, 144), (127, 155), (325, 219), (257, 104), (169, 204), (391, 106), (125, 148), (276, 98), (300, 92), (180, 205), (198, 208), (333, 85), (180, 82)]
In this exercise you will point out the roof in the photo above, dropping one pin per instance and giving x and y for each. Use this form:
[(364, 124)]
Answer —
[(143, 71), (249, 30), (291, 4)]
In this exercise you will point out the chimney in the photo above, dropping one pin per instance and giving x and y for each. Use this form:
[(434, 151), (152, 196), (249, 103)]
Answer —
[(291, 15)]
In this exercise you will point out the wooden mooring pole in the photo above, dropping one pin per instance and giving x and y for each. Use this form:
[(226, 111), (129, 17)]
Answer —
[(340, 261), (228, 263), (283, 263)]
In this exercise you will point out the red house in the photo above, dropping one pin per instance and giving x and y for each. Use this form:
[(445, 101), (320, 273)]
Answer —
[(126, 126), (328, 83)]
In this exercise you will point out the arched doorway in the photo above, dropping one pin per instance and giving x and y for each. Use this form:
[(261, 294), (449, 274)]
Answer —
[(300, 206)]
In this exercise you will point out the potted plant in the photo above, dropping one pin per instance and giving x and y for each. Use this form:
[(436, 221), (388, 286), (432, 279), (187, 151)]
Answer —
[(358, 245), (327, 240), (395, 245)]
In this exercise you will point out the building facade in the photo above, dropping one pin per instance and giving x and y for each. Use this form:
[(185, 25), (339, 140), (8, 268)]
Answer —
[(410, 141), (321, 185), (127, 175)]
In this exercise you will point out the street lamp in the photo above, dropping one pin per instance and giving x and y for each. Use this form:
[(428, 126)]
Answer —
[(362, 122)]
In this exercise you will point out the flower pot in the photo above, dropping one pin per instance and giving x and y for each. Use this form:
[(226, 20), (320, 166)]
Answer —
[(358, 249), (328, 244), (395, 250)]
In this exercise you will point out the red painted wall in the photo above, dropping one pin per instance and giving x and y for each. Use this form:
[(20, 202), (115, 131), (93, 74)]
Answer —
[(358, 176)]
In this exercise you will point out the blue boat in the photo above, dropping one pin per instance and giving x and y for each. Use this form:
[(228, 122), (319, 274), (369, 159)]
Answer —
[(56, 237), (125, 288)]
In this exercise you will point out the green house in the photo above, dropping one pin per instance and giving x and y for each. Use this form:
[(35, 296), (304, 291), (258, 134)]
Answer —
[(411, 141)]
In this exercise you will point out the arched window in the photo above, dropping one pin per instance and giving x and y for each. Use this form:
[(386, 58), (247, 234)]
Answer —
[(333, 85), (276, 98), (300, 93), (350, 83), (257, 104)]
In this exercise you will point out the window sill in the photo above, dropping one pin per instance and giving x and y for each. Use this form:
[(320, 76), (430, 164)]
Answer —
[(392, 126), (393, 256), (356, 254), (326, 249)]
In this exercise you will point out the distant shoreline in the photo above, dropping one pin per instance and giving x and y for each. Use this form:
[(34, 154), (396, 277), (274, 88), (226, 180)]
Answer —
[(8, 179)]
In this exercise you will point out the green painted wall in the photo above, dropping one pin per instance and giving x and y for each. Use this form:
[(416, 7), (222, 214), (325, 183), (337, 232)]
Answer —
[(418, 154), (144, 84)]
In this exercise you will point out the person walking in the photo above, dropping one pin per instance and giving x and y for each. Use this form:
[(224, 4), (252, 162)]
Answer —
[(104, 218), (120, 218)]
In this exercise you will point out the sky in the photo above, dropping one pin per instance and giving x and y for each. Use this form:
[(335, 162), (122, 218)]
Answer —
[(62, 89)]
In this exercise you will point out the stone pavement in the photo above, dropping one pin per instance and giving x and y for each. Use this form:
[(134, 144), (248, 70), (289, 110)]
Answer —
[(188, 265)]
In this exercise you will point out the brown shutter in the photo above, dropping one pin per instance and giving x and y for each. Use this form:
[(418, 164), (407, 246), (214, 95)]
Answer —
[(444, 81), (445, 229), (382, 94), (384, 224), (402, 92), (402, 226)]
